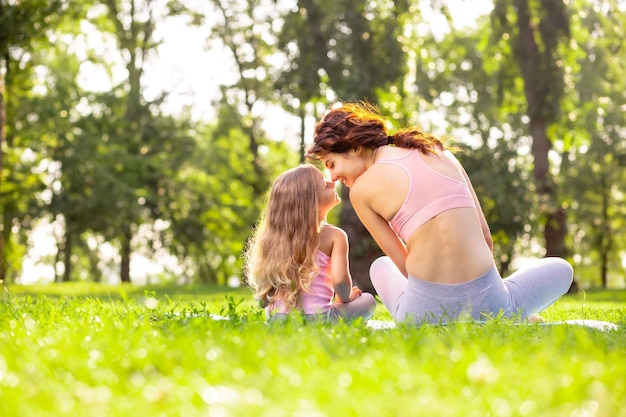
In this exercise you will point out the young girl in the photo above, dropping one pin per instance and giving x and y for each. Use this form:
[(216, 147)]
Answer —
[(297, 261)]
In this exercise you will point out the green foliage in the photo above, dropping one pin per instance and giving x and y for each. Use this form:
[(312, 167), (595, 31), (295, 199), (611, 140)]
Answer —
[(541, 65), (109, 164), (24, 40), (348, 47), (166, 352), (215, 202), (594, 146)]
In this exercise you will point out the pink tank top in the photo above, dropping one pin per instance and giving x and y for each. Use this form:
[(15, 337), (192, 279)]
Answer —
[(319, 298), (430, 194)]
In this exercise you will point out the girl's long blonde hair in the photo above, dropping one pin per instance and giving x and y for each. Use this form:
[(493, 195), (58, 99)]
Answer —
[(280, 260)]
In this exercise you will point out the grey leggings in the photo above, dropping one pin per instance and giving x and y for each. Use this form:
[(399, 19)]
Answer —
[(362, 306), (522, 294)]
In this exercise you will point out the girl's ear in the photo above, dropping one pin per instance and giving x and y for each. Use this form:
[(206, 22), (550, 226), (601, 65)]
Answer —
[(358, 150)]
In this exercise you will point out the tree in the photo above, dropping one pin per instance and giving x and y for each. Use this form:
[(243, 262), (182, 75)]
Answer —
[(300, 83), (133, 23), (248, 31), (535, 31), (24, 27), (592, 125), (215, 204), (245, 29), (119, 152)]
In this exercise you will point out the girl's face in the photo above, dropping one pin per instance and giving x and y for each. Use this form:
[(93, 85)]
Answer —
[(328, 197), (345, 167)]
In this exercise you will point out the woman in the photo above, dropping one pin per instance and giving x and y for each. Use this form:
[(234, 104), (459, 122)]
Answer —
[(418, 203), (296, 261)]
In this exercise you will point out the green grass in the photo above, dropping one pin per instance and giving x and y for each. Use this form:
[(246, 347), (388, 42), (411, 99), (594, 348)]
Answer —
[(89, 350)]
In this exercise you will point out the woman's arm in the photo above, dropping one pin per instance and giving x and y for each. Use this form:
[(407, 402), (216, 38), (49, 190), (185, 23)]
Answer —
[(379, 228)]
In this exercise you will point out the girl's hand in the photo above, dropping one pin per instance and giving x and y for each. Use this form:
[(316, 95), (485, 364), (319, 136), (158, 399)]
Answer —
[(356, 292)]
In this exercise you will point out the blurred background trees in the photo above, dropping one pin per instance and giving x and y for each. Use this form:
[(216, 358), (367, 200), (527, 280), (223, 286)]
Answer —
[(125, 186)]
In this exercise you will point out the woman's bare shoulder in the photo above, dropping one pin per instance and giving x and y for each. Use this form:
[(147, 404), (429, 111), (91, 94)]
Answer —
[(382, 188), (378, 176)]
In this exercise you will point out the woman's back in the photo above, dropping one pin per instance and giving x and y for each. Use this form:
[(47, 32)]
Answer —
[(430, 205), (449, 249)]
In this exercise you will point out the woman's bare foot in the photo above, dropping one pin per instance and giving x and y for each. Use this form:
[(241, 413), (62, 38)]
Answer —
[(535, 319)]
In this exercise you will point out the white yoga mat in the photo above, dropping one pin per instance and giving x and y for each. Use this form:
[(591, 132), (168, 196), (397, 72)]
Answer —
[(594, 324)]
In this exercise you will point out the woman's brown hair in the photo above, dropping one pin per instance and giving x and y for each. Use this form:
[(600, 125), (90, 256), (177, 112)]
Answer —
[(355, 124)]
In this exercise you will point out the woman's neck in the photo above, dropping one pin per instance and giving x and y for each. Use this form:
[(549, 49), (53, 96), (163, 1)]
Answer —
[(371, 156)]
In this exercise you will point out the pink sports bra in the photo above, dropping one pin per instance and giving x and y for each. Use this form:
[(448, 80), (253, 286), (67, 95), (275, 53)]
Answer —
[(429, 195)]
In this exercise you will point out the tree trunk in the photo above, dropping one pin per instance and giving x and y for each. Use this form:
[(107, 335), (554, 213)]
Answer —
[(530, 59), (555, 228), (604, 268), (67, 256), (3, 115), (94, 270), (125, 253), (505, 266), (302, 133), (606, 234)]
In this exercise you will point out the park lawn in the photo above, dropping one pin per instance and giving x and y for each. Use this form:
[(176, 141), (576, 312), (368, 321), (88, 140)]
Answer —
[(91, 350)]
